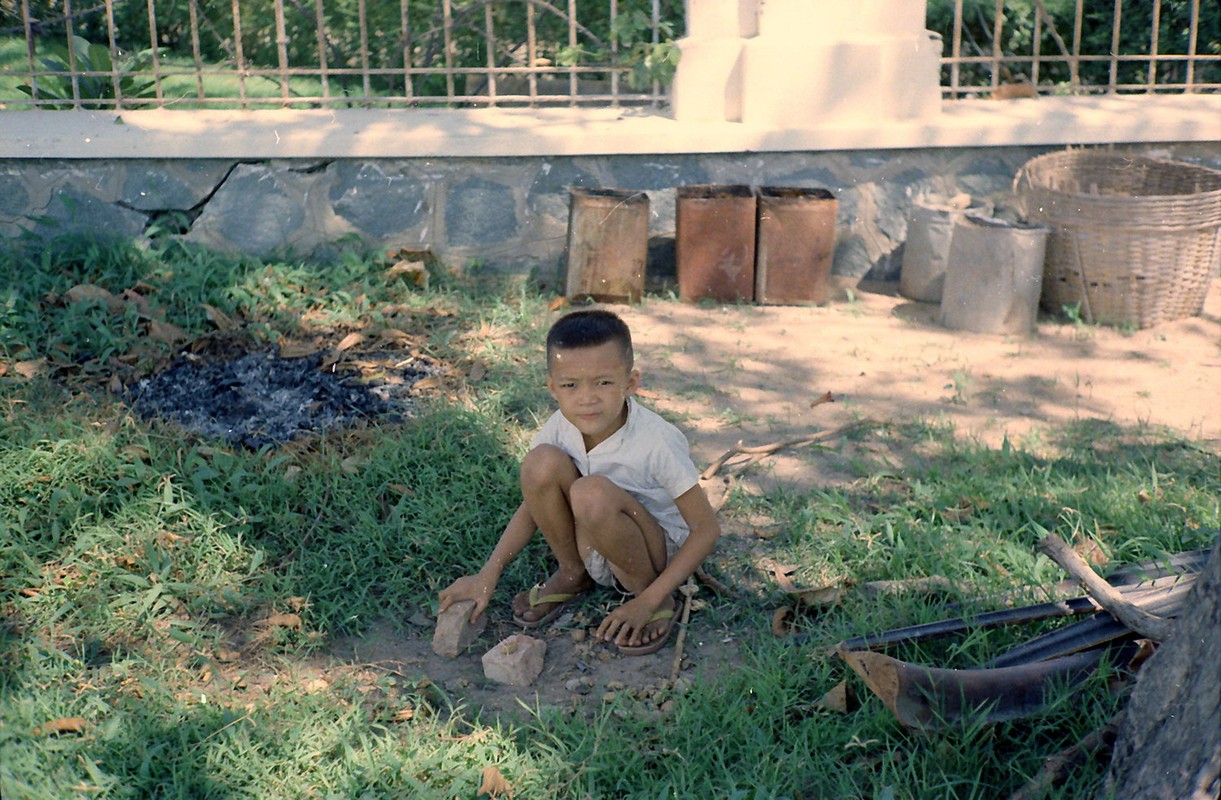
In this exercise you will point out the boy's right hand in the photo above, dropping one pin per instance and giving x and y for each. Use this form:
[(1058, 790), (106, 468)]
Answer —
[(468, 587)]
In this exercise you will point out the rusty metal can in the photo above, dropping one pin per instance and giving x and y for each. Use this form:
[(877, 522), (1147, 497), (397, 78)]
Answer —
[(715, 243), (795, 245), (608, 245)]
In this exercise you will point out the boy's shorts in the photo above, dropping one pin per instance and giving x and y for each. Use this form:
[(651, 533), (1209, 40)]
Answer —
[(599, 569)]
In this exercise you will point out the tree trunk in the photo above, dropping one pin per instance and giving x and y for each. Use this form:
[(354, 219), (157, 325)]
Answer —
[(1169, 742)]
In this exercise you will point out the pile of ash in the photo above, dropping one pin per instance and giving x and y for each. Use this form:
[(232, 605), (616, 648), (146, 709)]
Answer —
[(258, 399)]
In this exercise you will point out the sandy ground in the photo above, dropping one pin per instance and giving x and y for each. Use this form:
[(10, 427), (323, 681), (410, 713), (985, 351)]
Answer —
[(753, 374)]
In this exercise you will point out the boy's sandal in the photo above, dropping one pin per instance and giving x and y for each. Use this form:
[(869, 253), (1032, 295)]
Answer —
[(645, 649), (560, 600)]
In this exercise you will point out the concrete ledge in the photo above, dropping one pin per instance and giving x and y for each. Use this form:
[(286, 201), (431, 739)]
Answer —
[(427, 133)]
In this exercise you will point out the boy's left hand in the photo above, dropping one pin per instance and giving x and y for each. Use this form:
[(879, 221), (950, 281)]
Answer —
[(627, 623)]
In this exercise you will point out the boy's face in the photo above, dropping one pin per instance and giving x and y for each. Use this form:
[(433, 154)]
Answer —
[(591, 386)]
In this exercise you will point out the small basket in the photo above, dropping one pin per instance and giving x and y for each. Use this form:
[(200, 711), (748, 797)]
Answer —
[(1134, 240)]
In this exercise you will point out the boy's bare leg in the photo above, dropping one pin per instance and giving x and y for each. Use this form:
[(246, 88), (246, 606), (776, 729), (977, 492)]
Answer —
[(547, 475), (612, 522)]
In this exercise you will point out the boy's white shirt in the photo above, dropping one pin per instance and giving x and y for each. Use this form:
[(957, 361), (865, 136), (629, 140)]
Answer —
[(647, 457)]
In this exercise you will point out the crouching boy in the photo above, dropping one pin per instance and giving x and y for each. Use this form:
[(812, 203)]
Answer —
[(611, 487)]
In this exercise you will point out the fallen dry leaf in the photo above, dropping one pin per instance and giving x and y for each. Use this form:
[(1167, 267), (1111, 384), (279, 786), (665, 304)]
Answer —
[(352, 465), (415, 273), (431, 382), (559, 302), (292, 621), (838, 699), (821, 597), (164, 332), (297, 349), (494, 784), (780, 621), (89, 293), (350, 341), (30, 369), (223, 322), (478, 371), (62, 726), (825, 397), (394, 336)]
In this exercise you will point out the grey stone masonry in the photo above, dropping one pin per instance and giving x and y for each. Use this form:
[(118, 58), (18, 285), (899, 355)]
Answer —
[(509, 213)]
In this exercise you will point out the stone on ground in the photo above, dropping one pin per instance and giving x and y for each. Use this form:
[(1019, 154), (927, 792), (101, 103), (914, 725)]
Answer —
[(516, 661), (455, 632)]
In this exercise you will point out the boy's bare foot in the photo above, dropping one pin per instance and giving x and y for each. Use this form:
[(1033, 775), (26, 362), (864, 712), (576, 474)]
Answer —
[(543, 602)]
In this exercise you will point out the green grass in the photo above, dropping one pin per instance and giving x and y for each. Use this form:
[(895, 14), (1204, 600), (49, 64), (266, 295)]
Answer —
[(138, 564)]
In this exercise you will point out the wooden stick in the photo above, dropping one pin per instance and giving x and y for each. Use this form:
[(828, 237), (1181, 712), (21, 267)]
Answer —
[(1057, 768), (712, 583), (767, 449), (688, 590), (1138, 620)]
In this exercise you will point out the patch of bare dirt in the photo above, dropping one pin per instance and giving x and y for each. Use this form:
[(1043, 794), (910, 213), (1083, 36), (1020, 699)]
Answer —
[(755, 374)]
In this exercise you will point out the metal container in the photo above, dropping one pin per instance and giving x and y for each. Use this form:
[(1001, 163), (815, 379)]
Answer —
[(795, 245), (608, 245), (993, 276), (715, 243), (930, 227)]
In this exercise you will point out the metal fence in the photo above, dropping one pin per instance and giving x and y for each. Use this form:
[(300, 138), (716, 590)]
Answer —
[(1088, 47), (449, 53)]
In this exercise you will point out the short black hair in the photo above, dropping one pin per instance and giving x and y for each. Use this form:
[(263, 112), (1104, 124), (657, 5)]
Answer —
[(589, 328)]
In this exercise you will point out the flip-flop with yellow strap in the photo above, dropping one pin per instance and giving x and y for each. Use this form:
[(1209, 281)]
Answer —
[(560, 599), (645, 649)]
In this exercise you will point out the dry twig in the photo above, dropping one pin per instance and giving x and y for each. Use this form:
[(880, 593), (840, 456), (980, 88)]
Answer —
[(758, 452), (688, 590), (1136, 619)]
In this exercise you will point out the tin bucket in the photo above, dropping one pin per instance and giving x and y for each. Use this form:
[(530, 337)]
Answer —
[(795, 245), (715, 243), (608, 245), (994, 276), (930, 227)]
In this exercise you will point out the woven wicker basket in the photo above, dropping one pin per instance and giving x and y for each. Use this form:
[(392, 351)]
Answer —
[(1134, 240)]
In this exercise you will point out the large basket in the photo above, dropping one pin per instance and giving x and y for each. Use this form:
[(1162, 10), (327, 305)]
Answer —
[(1134, 240)]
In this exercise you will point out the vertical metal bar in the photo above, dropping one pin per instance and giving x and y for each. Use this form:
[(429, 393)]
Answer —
[(656, 41), (405, 33), (1113, 80), (614, 54), (195, 49), (572, 42), (362, 13), (73, 75), (1036, 50), (1154, 45), (1193, 37), (532, 52), (1078, 19), (116, 83), (239, 54), (489, 35), (447, 22), (998, 23), (324, 67), (28, 24), (956, 50), (282, 50), (155, 43)]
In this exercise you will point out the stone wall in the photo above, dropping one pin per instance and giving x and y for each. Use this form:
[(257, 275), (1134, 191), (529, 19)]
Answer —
[(510, 213)]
